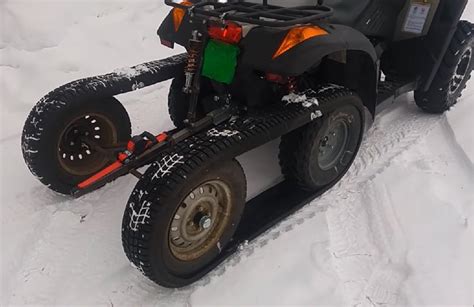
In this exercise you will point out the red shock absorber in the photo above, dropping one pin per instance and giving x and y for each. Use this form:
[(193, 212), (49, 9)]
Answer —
[(194, 59)]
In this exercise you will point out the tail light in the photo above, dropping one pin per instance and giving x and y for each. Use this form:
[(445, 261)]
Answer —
[(178, 14), (275, 78), (230, 33), (296, 36)]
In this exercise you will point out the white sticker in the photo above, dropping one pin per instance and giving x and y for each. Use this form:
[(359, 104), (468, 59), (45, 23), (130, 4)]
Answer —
[(416, 18)]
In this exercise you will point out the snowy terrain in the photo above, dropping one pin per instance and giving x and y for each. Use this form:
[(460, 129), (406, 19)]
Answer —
[(397, 230)]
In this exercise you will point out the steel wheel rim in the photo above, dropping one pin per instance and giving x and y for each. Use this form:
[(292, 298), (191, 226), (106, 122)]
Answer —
[(200, 220), (460, 72), (75, 151), (333, 144)]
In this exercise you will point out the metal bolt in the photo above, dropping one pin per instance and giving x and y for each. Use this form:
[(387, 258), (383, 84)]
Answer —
[(205, 222)]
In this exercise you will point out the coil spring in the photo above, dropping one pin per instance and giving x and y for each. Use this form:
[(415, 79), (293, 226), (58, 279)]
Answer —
[(193, 56)]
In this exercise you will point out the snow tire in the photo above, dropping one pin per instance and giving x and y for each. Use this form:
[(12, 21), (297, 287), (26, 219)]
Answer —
[(443, 94), (152, 209), (45, 125)]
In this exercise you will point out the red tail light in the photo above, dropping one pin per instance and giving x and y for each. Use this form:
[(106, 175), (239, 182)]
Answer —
[(231, 33), (275, 78)]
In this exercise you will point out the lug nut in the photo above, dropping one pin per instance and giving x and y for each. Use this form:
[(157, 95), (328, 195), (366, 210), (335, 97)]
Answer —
[(205, 222)]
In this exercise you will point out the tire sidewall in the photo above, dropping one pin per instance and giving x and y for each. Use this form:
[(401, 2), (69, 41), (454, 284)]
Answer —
[(452, 97), (352, 115), (354, 119), (164, 263), (47, 163), (438, 98)]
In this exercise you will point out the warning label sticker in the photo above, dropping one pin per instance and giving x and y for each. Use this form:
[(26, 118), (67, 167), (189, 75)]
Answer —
[(416, 18)]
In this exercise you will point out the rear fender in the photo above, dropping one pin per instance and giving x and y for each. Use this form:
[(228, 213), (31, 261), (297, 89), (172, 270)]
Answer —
[(345, 55), (355, 70), (261, 43), (167, 31)]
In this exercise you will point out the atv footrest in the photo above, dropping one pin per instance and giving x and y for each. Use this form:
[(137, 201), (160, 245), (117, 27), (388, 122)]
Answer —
[(393, 87)]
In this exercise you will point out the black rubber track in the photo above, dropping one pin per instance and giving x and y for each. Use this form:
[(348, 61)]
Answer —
[(221, 143), (98, 89), (437, 99)]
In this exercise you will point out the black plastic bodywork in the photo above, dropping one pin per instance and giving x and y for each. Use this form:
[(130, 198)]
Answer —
[(420, 58), (372, 18), (181, 37), (261, 44), (356, 69), (366, 39)]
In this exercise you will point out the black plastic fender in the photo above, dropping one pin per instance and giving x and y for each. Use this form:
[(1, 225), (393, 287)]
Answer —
[(260, 45), (358, 55), (183, 34)]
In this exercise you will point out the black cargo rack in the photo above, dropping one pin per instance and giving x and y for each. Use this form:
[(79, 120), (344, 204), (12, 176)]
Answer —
[(257, 14)]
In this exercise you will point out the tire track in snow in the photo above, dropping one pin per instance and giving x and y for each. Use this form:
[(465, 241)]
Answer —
[(367, 245), (456, 147), (383, 142)]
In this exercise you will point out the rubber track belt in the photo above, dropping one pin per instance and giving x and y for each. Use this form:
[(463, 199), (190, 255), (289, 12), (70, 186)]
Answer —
[(120, 81), (222, 142)]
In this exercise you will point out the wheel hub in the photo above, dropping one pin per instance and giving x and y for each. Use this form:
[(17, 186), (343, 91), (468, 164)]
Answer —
[(460, 72), (200, 220), (205, 222), (332, 144), (76, 154)]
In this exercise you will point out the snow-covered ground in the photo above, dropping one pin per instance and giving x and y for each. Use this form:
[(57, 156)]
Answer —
[(397, 230)]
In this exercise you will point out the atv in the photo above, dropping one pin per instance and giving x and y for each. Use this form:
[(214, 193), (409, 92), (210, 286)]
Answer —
[(254, 71)]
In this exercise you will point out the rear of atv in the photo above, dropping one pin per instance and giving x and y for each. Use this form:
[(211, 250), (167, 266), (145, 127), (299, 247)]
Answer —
[(252, 73)]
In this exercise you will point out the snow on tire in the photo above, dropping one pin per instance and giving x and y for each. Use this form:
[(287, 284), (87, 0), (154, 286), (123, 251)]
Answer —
[(57, 139), (453, 74), (181, 215), (321, 152), (376, 153)]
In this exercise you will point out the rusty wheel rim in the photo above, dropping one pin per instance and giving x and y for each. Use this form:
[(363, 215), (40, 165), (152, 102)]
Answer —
[(77, 154), (200, 220)]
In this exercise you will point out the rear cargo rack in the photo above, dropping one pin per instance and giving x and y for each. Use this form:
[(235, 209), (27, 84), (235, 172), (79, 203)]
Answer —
[(257, 14)]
